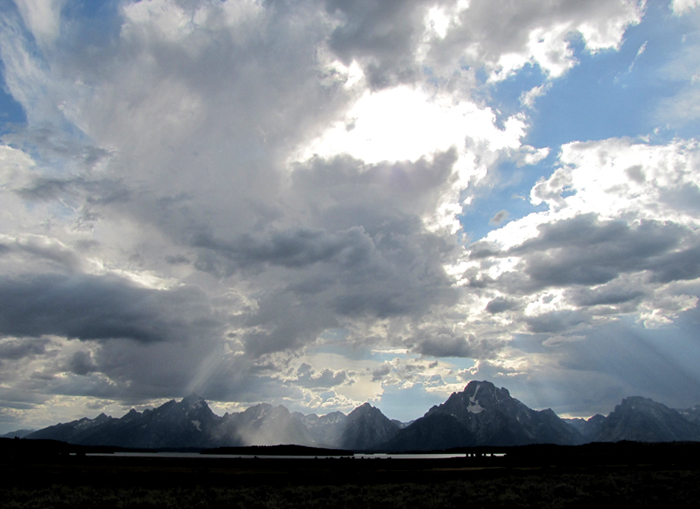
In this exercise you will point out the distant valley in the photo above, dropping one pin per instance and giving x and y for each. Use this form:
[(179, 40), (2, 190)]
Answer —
[(481, 415)]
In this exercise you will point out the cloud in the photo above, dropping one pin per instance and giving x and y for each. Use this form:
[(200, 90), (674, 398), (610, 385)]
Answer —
[(15, 349), (683, 6), (585, 251), (40, 248), (499, 217), (446, 343), (81, 363), (98, 308), (501, 304), (42, 18), (327, 378), (295, 249), (554, 341), (556, 321), (393, 39), (379, 373), (206, 194)]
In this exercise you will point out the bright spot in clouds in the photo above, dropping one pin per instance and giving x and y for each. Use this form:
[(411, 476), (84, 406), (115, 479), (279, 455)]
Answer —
[(405, 123)]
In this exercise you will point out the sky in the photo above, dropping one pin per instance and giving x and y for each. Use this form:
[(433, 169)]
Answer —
[(319, 203)]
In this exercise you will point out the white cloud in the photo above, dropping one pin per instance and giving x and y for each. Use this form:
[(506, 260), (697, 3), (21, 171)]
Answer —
[(683, 6), (621, 178), (529, 97), (15, 168), (42, 17), (534, 32)]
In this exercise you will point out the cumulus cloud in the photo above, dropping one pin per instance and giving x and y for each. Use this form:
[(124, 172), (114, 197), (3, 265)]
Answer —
[(446, 343), (604, 249), (308, 377), (392, 38)]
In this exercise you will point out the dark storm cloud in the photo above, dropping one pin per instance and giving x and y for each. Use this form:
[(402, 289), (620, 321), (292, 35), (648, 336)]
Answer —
[(342, 192), (98, 308), (290, 249), (400, 276), (16, 349), (381, 34), (556, 321), (483, 249), (442, 342), (682, 265), (587, 251), (81, 363), (606, 295), (587, 231), (34, 247), (368, 257), (501, 304)]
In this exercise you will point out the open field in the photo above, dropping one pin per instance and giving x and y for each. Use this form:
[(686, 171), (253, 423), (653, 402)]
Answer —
[(61, 481), (127, 485)]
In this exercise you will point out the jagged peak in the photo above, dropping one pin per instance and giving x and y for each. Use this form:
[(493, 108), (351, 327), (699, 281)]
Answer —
[(365, 409), (131, 414), (477, 396), (638, 401), (193, 400), (476, 386), (266, 409)]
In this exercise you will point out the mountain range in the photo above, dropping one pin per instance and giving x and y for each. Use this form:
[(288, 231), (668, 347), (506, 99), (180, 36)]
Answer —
[(480, 415)]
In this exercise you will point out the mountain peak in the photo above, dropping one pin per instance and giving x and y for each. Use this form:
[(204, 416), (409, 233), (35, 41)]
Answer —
[(644, 420), (365, 409), (638, 401), (474, 385), (485, 387), (193, 401), (478, 396), (366, 427)]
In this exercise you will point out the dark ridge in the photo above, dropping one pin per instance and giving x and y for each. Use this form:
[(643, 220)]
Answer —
[(278, 450)]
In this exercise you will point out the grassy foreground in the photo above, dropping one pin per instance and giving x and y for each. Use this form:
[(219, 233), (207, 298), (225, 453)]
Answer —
[(620, 488), (574, 478)]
